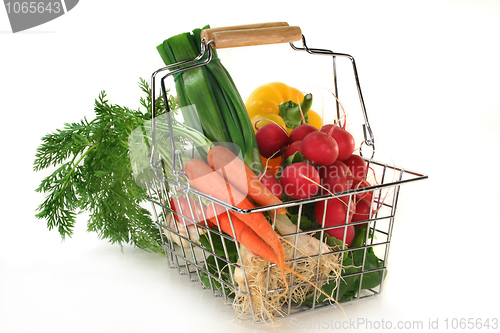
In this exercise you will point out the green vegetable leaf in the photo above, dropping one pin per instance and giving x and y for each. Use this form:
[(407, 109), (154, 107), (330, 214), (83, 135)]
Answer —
[(217, 276), (307, 219), (360, 238), (220, 246), (295, 158), (372, 279), (333, 242), (94, 174), (305, 222), (352, 264), (210, 88)]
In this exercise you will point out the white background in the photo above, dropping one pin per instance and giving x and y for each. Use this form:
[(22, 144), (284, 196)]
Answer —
[(430, 76)]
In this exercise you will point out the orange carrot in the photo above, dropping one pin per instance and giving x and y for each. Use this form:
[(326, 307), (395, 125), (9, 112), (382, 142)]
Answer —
[(202, 177), (209, 182), (247, 237), (242, 233), (238, 174)]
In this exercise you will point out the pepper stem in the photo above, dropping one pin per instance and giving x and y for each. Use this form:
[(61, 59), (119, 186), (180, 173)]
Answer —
[(294, 114)]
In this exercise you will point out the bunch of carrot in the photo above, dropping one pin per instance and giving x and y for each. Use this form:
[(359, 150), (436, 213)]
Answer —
[(227, 178)]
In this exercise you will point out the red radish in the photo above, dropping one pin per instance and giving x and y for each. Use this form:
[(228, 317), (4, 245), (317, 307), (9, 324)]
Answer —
[(336, 211), (336, 215), (335, 178), (362, 211), (339, 233), (300, 132), (319, 148), (358, 184), (300, 180), (272, 139), (181, 206), (358, 167), (294, 147), (352, 202), (272, 184), (344, 140)]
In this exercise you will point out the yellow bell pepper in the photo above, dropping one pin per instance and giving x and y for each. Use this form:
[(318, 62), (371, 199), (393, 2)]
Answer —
[(263, 105), (314, 119)]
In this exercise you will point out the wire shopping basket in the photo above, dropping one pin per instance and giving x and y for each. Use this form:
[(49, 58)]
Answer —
[(216, 261)]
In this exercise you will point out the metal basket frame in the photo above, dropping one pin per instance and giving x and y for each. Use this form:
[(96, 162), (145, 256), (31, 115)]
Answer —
[(191, 259)]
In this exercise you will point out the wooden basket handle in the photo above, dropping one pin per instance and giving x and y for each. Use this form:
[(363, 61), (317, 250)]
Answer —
[(252, 35)]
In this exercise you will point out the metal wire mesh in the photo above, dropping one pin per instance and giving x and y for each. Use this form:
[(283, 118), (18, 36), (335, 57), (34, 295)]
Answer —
[(210, 257)]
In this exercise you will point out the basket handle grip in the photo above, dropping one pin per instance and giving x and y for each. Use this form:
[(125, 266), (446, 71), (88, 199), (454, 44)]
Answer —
[(252, 35)]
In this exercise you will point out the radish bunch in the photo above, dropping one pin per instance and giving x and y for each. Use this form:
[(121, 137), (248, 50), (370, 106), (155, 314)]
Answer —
[(328, 166)]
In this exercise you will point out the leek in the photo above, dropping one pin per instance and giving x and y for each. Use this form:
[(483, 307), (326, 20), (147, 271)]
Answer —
[(210, 88)]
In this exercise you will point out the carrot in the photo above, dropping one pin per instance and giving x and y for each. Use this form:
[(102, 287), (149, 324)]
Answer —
[(242, 233), (249, 238), (238, 174), (209, 182), (202, 177)]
